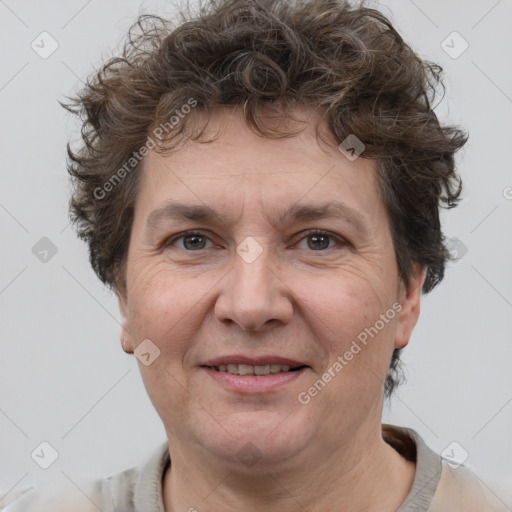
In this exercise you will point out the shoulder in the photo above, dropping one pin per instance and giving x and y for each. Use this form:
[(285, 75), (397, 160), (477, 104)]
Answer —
[(137, 488), (461, 490), (121, 491), (87, 496), (439, 486)]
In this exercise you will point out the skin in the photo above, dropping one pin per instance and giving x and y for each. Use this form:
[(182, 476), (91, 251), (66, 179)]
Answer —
[(295, 300)]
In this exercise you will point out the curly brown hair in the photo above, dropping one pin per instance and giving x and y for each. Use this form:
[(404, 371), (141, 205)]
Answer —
[(346, 62)]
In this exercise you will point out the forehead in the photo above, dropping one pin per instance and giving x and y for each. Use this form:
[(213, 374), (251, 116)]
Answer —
[(234, 167)]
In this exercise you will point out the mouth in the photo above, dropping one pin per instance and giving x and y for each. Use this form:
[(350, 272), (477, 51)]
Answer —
[(258, 370), (246, 375)]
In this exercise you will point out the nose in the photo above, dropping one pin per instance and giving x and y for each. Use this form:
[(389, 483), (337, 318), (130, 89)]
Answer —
[(253, 295)]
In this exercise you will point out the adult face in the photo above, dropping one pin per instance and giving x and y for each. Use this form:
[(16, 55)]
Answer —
[(285, 297)]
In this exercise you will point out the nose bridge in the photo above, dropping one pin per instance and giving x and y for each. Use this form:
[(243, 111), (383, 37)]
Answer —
[(252, 295)]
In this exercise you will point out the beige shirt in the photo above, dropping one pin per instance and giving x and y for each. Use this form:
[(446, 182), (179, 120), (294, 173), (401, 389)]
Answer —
[(437, 486)]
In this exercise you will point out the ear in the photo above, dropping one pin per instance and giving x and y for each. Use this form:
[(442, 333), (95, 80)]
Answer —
[(126, 341), (409, 298)]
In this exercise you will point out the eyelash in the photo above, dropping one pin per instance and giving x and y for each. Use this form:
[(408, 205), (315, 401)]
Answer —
[(307, 233)]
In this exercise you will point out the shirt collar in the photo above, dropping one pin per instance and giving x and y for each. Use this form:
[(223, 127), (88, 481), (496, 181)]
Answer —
[(147, 494)]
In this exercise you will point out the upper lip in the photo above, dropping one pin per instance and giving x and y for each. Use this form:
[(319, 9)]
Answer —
[(253, 361)]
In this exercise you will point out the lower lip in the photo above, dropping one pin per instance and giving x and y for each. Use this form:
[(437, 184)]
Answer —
[(254, 383)]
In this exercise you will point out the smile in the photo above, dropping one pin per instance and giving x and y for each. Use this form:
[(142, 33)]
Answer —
[(259, 370)]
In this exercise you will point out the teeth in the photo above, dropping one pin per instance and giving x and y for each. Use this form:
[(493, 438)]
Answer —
[(262, 370), (276, 368), (245, 369)]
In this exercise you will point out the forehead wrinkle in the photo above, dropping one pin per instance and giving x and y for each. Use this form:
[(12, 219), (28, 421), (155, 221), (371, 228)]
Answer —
[(176, 210), (333, 209), (299, 212)]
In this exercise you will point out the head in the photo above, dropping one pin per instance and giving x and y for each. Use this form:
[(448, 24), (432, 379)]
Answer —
[(239, 109)]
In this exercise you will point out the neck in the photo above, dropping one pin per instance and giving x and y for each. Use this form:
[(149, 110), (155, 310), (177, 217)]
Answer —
[(363, 474)]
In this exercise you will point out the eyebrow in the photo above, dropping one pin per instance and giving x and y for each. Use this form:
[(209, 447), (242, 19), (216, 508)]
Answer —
[(172, 210)]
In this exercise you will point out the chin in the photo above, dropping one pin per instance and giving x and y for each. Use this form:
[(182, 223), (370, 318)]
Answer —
[(256, 441)]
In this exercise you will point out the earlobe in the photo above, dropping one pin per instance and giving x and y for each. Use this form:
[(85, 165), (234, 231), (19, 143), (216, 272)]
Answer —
[(126, 342), (410, 306)]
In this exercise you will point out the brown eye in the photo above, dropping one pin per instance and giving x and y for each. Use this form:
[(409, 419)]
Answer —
[(193, 242), (318, 240)]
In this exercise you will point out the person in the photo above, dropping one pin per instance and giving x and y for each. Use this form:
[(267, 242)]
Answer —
[(260, 185)]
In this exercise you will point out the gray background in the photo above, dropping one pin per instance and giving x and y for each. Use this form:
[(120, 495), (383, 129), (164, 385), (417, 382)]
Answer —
[(63, 376)]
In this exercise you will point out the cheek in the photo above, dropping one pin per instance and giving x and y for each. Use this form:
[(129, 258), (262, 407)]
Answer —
[(353, 319), (162, 307), (347, 300)]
